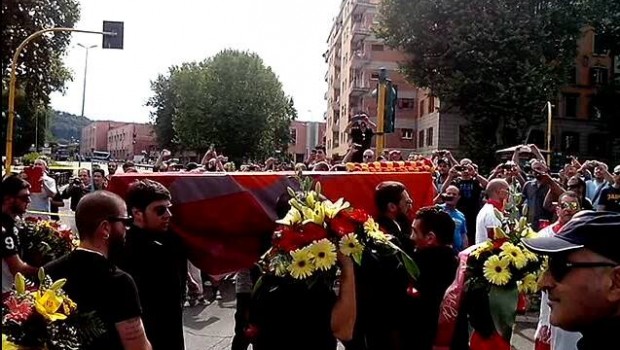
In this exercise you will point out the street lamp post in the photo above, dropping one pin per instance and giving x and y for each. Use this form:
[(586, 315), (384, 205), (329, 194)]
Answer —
[(85, 73)]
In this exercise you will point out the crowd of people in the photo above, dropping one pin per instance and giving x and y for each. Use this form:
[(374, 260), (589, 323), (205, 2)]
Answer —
[(135, 275)]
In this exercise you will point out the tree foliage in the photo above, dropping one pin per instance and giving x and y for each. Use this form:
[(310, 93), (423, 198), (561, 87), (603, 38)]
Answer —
[(497, 62), (231, 100), (40, 69)]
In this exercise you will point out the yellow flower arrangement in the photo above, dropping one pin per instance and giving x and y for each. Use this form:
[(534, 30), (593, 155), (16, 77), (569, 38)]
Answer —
[(529, 284), (47, 304), (350, 245)]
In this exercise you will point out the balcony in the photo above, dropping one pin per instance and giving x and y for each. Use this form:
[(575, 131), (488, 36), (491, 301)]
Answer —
[(359, 87), (360, 31), (360, 59), (361, 6)]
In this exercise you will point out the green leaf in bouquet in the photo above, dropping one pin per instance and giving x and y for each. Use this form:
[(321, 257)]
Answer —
[(357, 257), (503, 307), (410, 265)]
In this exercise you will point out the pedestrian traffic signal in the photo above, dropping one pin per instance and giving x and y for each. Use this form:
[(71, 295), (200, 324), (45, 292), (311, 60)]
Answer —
[(112, 41)]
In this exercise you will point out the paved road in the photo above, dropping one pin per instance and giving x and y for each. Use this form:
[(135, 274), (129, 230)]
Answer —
[(212, 327)]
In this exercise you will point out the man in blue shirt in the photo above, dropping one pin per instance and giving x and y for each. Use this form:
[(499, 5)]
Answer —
[(450, 197)]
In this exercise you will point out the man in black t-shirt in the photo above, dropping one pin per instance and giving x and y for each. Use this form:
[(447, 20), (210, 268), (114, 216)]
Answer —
[(157, 261), (361, 135), (94, 282), (15, 200), (610, 196)]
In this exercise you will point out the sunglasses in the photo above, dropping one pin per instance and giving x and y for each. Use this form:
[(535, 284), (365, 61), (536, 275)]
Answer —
[(570, 205), (616, 173), (126, 220), (560, 267), (161, 210)]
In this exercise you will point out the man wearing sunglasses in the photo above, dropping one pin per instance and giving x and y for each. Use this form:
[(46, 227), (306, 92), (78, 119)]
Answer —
[(157, 261), (583, 278), (610, 196), (15, 201), (93, 280), (547, 336)]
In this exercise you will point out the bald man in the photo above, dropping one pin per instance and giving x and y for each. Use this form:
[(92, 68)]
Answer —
[(94, 282), (498, 190)]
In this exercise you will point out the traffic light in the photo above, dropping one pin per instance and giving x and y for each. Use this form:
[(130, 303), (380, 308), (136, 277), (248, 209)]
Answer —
[(113, 41), (391, 98)]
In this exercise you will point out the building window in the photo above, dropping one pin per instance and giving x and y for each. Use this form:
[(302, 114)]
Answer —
[(570, 105), (429, 137), (406, 103), (293, 136), (597, 145), (376, 47), (598, 45), (598, 76), (570, 142), (374, 76), (421, 139), (406, 134), (572, 76), (431, 104), (422, 108)]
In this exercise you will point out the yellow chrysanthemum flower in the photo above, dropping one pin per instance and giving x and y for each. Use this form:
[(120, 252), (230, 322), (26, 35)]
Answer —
[(484, 247), (323, 254), (530, 256), (496, 270), (514, 254), (350, 245), (8, 345), (373, 230), (529, 284), (302, 266)]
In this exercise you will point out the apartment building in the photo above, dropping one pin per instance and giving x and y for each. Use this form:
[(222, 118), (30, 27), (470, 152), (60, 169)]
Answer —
[(354, 57)]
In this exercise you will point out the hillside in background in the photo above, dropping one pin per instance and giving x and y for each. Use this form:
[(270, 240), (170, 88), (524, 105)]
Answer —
[(65, 126)]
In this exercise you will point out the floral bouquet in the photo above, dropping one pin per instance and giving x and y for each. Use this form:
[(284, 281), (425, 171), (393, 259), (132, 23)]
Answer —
[(416, 166), (46, 240), (497, 271), (306, 242), (44, 317)]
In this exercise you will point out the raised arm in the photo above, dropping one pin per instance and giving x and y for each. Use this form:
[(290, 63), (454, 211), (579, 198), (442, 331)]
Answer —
[(344, 312)]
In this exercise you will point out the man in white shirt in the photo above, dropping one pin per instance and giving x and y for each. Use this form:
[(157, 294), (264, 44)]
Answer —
[(497, 192), (41, 201)]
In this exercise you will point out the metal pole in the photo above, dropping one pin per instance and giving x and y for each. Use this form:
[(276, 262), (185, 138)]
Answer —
[(381, 111), (12, 81), (84, 84), (549, 133)]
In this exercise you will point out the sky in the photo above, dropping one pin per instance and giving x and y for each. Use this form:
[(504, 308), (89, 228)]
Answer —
[(289, 35)]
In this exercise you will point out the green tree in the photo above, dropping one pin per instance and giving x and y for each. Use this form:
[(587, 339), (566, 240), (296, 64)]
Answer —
[(231, 100), (496, 62), (40, 69), (163, 103)]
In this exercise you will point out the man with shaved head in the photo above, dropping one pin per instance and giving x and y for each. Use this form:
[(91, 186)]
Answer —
[(450, 198), (498, 190), (94, 282)]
